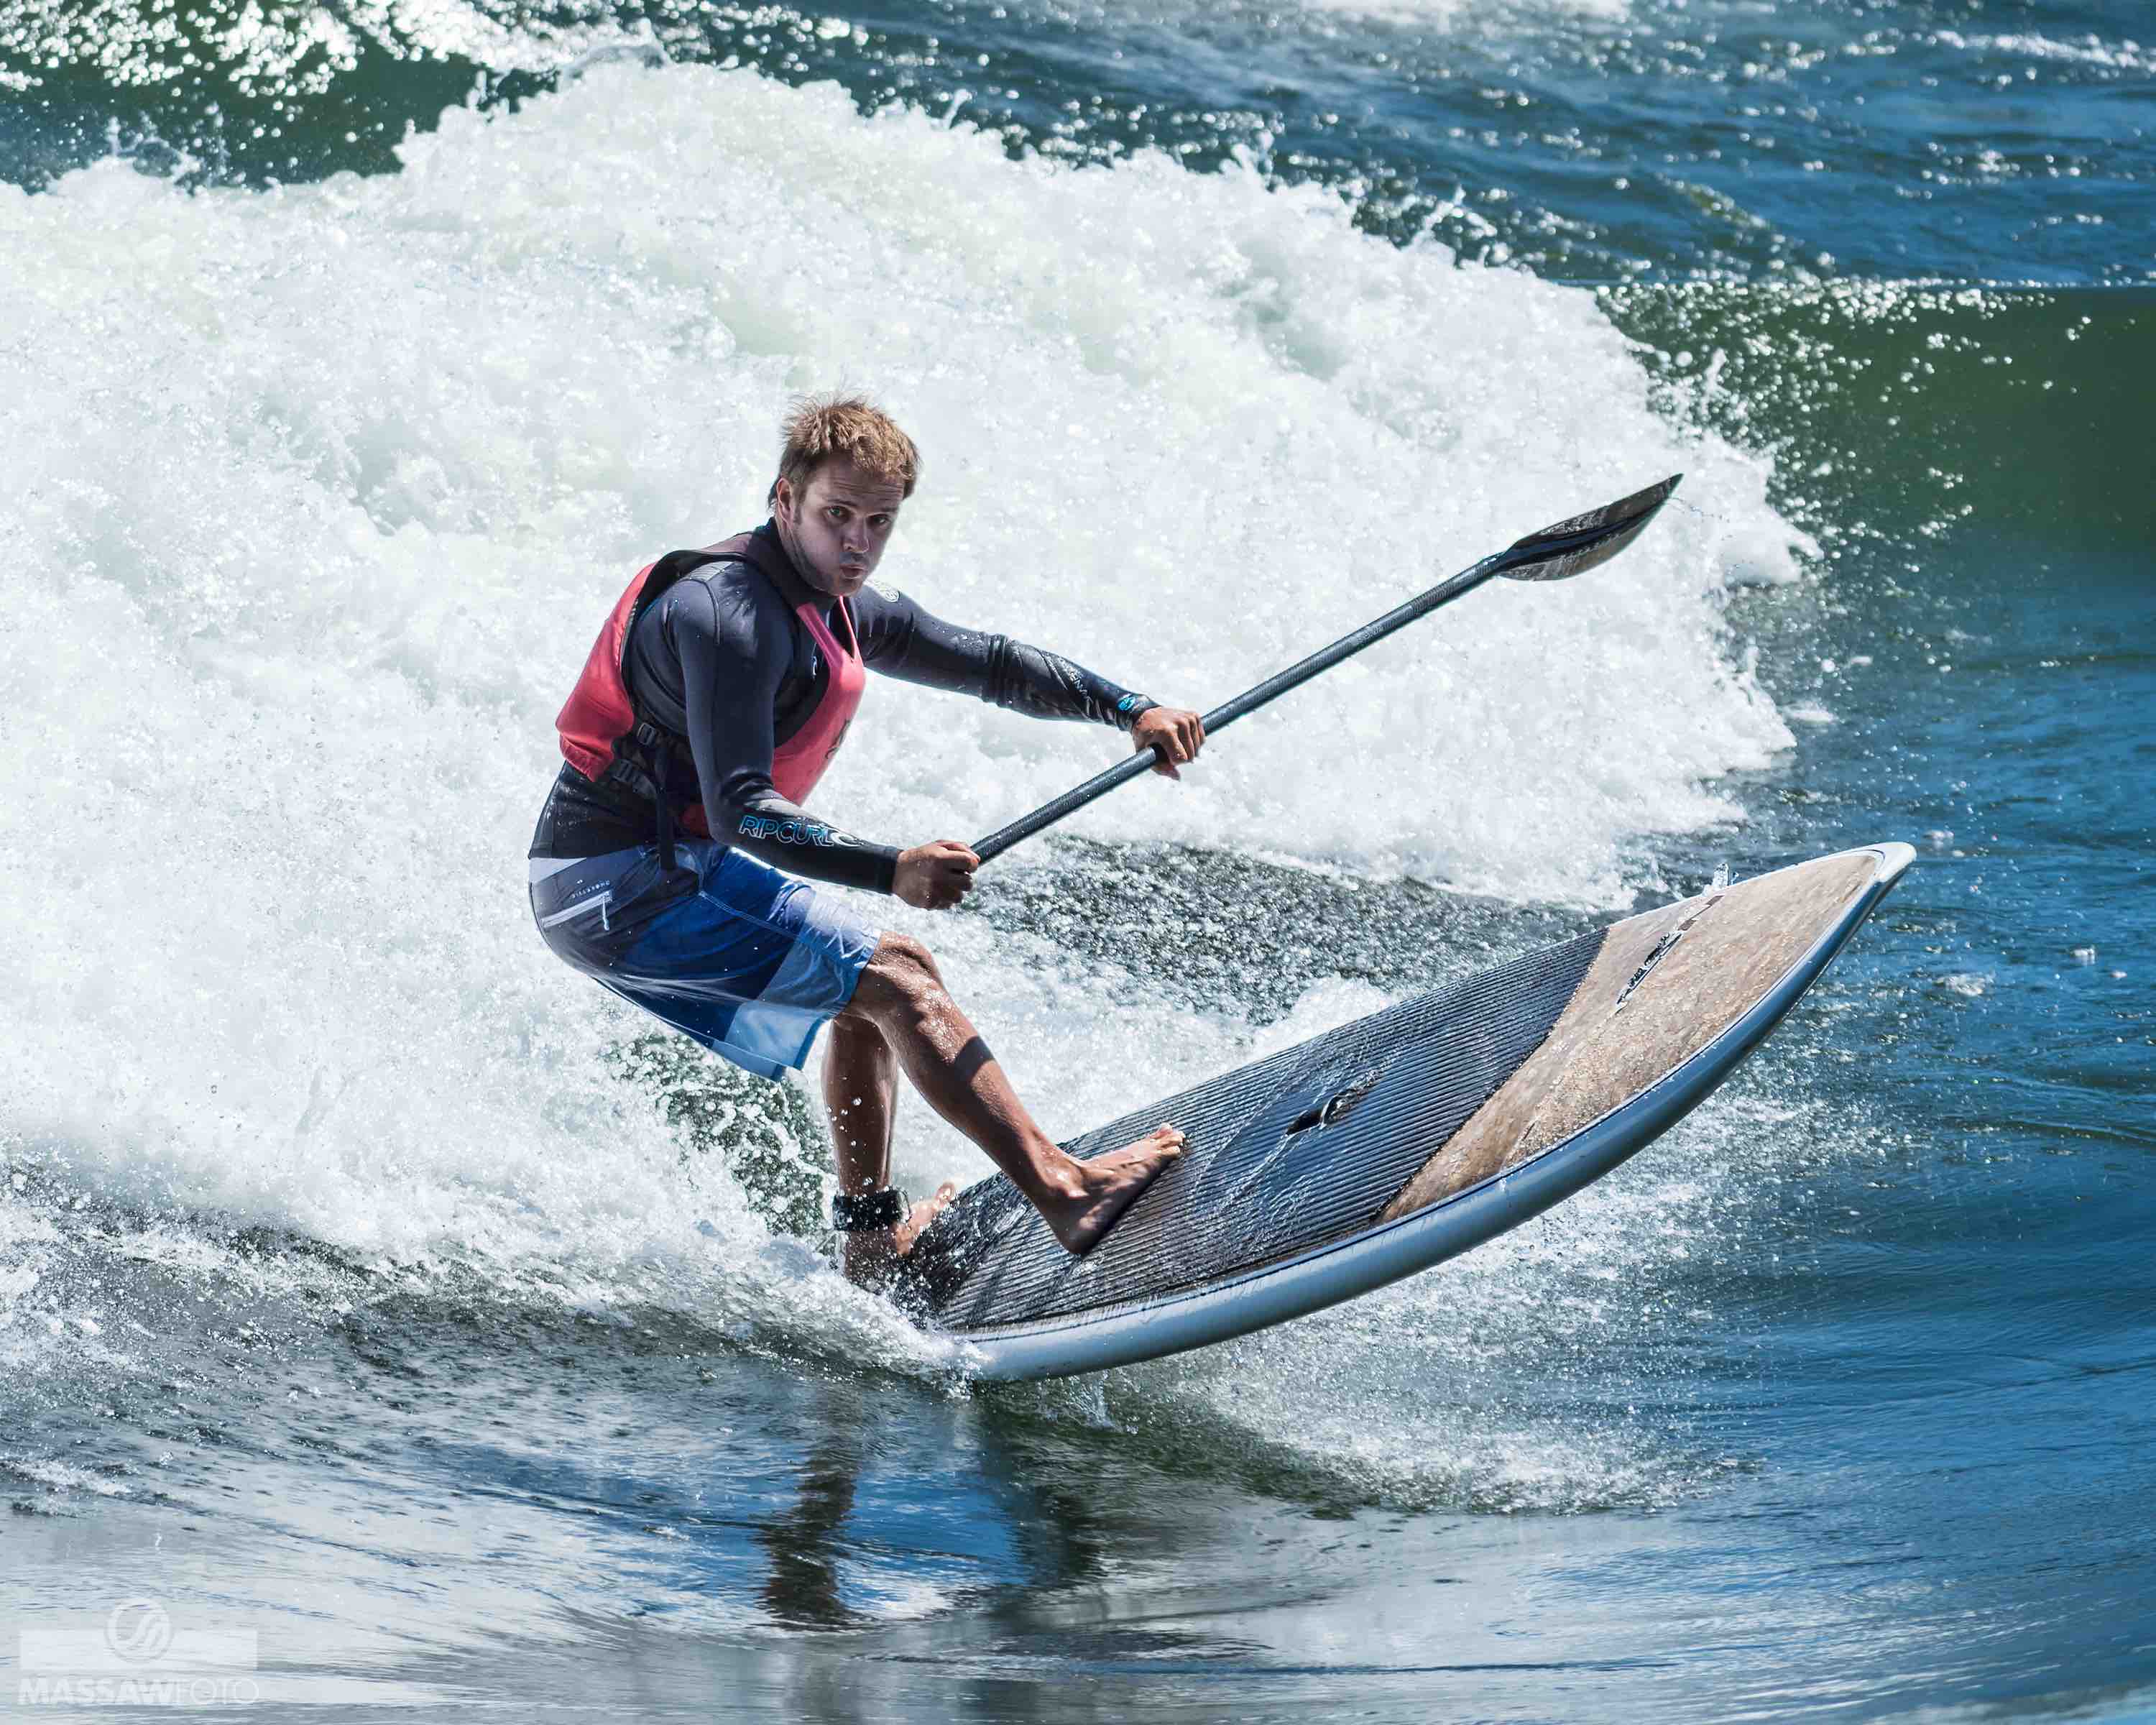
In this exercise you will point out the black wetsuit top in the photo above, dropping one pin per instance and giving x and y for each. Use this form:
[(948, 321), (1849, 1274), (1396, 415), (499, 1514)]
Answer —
[(723, 661)]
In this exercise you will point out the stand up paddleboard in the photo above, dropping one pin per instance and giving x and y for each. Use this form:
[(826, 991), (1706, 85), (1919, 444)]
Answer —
[(1392, 1143)]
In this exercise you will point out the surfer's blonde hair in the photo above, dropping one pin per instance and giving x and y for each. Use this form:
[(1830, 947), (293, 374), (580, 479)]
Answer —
[(819, 427)]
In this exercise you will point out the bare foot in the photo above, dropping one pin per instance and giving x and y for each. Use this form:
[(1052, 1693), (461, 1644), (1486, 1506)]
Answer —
[(922, 1214), (1107, 1185), (871, 1255)]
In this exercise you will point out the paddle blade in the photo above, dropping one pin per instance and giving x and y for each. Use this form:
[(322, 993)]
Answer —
[(1570, 547)]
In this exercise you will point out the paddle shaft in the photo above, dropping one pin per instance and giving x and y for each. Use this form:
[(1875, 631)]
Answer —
[(1556, 552), (1249, 701)]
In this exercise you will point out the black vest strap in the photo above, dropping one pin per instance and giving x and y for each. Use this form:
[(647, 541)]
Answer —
[(640, 758)]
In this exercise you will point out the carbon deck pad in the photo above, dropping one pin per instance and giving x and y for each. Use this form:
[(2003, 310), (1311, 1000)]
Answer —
[(1283, 1155)]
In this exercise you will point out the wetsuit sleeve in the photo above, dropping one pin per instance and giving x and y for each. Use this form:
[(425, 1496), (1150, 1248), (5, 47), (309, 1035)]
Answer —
[(900, 639), (732, 653)]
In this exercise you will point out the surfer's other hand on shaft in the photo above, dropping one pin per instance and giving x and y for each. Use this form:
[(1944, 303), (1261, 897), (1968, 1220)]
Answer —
[(935, 876), (1176, 734)]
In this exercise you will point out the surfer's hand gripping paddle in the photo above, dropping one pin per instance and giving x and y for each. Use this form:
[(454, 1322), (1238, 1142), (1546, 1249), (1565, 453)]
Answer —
[(1566, 548)]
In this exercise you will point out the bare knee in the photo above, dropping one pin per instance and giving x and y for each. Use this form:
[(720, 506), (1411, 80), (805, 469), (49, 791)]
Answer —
[(902, 977), (906, 963)]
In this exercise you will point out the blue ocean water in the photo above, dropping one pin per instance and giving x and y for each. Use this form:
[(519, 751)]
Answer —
[(389, 1317)]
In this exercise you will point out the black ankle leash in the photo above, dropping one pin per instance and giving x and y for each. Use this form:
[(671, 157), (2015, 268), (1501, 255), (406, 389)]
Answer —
[(857, 1212)]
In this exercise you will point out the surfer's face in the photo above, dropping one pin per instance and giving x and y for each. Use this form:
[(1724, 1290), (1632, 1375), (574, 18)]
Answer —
[(835, 529)]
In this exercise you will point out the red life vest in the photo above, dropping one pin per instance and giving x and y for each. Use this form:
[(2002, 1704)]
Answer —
[(603, 738), (799, 762)]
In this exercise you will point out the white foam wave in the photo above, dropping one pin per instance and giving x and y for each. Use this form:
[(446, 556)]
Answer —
[(1488, 16), (2089, 50), (1446, 12), (317, 494)]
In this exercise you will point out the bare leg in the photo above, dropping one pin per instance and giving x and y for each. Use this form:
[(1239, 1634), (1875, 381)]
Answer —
[(901, 996), (860, 1095)]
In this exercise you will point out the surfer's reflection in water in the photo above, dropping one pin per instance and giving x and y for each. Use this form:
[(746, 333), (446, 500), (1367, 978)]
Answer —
[(803, 1589), (815, 1561), (983, 1511)]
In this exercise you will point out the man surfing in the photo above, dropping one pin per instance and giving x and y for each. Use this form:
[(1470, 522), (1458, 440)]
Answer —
[(719, 688)]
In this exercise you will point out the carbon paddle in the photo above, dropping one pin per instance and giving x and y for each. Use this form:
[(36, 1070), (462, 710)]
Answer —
[(1566, 548)]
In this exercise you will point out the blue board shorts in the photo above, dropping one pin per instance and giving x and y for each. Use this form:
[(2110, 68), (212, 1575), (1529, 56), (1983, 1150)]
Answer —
[(750, 962)]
